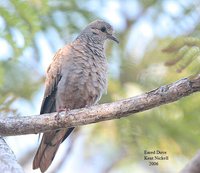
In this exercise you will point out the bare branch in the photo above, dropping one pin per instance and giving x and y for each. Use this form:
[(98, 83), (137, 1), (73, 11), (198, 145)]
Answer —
[(193, 166), (8, 161), (38, 124)]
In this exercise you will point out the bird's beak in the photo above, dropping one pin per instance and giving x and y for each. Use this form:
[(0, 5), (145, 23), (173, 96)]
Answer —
[(111, 37)]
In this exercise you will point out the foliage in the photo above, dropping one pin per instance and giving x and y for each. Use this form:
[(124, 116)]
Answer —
[(184, 50), (16, 82)]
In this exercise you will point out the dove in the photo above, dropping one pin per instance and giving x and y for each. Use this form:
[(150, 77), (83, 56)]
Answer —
[(76, 78)]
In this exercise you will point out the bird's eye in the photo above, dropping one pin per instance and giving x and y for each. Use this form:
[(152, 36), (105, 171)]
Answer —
[(103, 29)]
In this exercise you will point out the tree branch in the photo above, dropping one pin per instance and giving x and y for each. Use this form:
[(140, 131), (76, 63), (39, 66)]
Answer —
[(38, 124), (193, 166), (8, 161)]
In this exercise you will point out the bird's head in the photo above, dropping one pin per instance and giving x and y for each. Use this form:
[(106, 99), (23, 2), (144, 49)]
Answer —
[(99, 31)]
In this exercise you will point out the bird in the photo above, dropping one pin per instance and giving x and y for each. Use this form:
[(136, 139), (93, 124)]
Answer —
[(76, 78)]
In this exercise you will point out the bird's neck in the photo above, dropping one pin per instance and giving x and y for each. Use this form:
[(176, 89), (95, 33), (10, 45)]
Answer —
[(94, 42)]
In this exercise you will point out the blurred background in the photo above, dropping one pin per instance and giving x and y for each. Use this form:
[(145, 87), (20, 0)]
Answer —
[(32, 31)]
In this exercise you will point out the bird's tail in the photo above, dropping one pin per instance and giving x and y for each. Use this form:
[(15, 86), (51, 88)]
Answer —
[(48, 148)]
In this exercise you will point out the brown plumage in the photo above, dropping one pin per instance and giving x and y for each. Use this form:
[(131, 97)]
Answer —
[(76, 78)]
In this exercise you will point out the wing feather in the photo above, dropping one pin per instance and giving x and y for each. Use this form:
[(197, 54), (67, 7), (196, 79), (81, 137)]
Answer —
[(49, 105)]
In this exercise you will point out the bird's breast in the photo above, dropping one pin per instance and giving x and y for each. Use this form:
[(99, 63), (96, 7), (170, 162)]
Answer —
[(84, 83)]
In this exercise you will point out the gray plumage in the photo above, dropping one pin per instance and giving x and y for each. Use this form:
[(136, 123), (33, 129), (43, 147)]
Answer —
[(76, 78)]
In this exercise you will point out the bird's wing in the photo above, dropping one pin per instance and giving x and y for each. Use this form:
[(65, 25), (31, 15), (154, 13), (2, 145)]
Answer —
[(52, 79), (50, 140)]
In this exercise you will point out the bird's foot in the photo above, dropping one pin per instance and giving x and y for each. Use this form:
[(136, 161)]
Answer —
[(67, 110), (88, 105), (57, 116)]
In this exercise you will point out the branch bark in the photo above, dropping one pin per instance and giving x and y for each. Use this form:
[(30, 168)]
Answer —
[(193, 166), (8, 161), (38, 124)]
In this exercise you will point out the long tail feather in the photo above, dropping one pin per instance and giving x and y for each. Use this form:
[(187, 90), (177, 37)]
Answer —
[(48, 148)]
